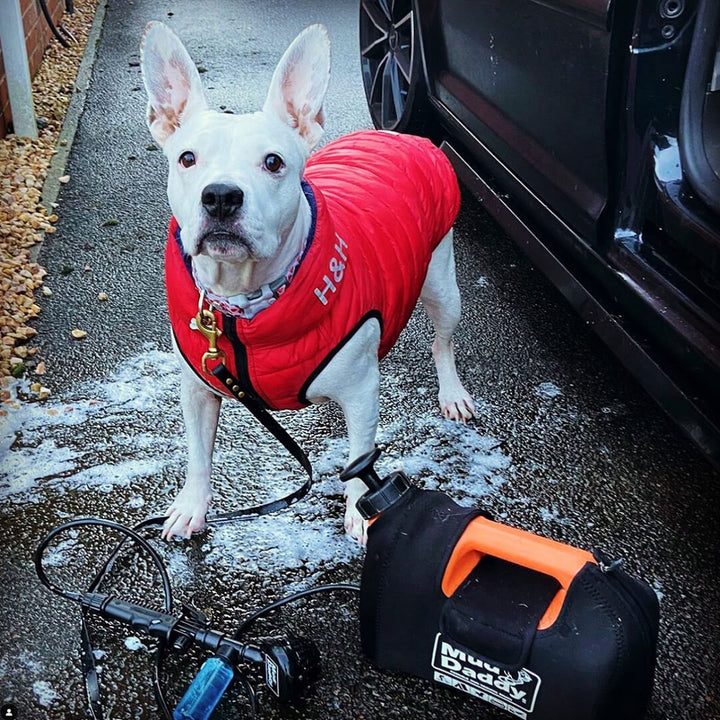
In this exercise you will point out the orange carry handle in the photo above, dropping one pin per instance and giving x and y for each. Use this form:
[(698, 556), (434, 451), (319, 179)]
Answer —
[(485, 537)]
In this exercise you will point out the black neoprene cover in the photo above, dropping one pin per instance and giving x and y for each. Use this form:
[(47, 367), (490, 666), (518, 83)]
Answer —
[(407, 551), (596, 662)]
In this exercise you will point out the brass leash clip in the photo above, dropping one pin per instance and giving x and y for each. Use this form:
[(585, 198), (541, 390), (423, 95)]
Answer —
[(205, 322)]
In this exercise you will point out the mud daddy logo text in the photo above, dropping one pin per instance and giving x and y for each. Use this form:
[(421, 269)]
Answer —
[(514, 692)]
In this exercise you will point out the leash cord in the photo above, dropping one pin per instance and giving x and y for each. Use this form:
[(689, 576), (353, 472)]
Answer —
[(256, 408), (88, 660)]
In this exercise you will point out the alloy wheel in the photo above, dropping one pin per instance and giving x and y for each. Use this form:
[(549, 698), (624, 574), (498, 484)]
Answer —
[(386, 51)]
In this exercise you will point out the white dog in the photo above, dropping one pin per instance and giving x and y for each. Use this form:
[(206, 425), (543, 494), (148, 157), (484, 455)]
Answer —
[(257, 251)]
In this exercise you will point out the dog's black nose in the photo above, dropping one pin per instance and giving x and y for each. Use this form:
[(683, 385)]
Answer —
[(221, 201)]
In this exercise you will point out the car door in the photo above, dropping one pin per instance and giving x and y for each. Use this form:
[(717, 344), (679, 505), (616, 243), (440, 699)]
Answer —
[(528, 79)]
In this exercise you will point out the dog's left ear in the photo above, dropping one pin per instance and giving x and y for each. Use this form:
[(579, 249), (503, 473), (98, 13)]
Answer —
[(299, 84), (172, 82)]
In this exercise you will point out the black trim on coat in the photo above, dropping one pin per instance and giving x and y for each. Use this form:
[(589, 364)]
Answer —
[(376, 314)]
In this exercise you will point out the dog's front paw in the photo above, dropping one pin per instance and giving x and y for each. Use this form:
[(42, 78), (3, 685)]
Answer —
[(355, 524), (187, 513), (457, 404)]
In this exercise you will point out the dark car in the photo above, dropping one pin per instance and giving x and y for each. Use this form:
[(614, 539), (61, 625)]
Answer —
[(590, 130)]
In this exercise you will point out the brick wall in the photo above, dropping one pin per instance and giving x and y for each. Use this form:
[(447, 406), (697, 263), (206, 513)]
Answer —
[(37, 37)]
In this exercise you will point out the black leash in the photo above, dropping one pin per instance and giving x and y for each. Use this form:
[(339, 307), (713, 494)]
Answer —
[(258, 410), (206, 325)]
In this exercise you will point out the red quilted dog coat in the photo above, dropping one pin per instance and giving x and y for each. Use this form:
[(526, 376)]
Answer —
[(381, 203)]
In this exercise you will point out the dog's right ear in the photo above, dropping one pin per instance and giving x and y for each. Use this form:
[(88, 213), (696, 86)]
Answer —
[(171, 80)]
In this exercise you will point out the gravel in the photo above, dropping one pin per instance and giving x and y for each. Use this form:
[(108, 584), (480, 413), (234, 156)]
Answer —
[(24, 221)]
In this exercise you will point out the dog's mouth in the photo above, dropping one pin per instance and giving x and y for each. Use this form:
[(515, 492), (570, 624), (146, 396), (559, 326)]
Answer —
[(224, 243)]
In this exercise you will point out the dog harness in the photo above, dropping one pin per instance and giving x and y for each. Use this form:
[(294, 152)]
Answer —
[(380, 205)]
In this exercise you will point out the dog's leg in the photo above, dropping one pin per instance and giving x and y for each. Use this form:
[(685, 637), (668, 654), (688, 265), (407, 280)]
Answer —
[(441, 299), (361, 410), (352, 380), (201, 409)]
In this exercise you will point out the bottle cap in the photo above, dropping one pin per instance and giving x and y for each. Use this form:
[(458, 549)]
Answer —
[(382, 493)]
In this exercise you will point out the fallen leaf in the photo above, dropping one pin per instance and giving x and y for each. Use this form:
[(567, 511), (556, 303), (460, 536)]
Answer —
[(64, 179), (78, 334)]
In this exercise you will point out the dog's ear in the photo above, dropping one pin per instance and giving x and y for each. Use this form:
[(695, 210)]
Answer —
[(171, 80), (299, 84)]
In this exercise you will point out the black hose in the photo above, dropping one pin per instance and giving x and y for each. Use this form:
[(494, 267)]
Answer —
[(132, 534), (129, 533), (51, 24), (341, 587), (95, 710)]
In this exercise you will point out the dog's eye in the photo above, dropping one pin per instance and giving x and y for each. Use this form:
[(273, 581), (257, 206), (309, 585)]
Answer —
[(187, 159), (274, 163)]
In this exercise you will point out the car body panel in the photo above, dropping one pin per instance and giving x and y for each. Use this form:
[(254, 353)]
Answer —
[(564, 117), (508, 98)]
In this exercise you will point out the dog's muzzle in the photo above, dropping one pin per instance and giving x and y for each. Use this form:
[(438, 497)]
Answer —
[(222, 204)]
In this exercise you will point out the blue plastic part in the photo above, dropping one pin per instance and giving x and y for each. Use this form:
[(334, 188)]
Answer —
[(205, 691)]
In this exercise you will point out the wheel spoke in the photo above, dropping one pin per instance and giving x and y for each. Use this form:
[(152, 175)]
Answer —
[(404, 25), (391, 96), (402, 56), (401, 6), (378, 17), (375, 94), (386, 9), (376, 47)]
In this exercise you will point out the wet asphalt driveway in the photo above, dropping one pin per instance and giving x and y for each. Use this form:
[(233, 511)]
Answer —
[(565, 443)]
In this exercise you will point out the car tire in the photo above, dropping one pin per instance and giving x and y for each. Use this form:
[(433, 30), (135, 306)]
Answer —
[(392, 68)]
